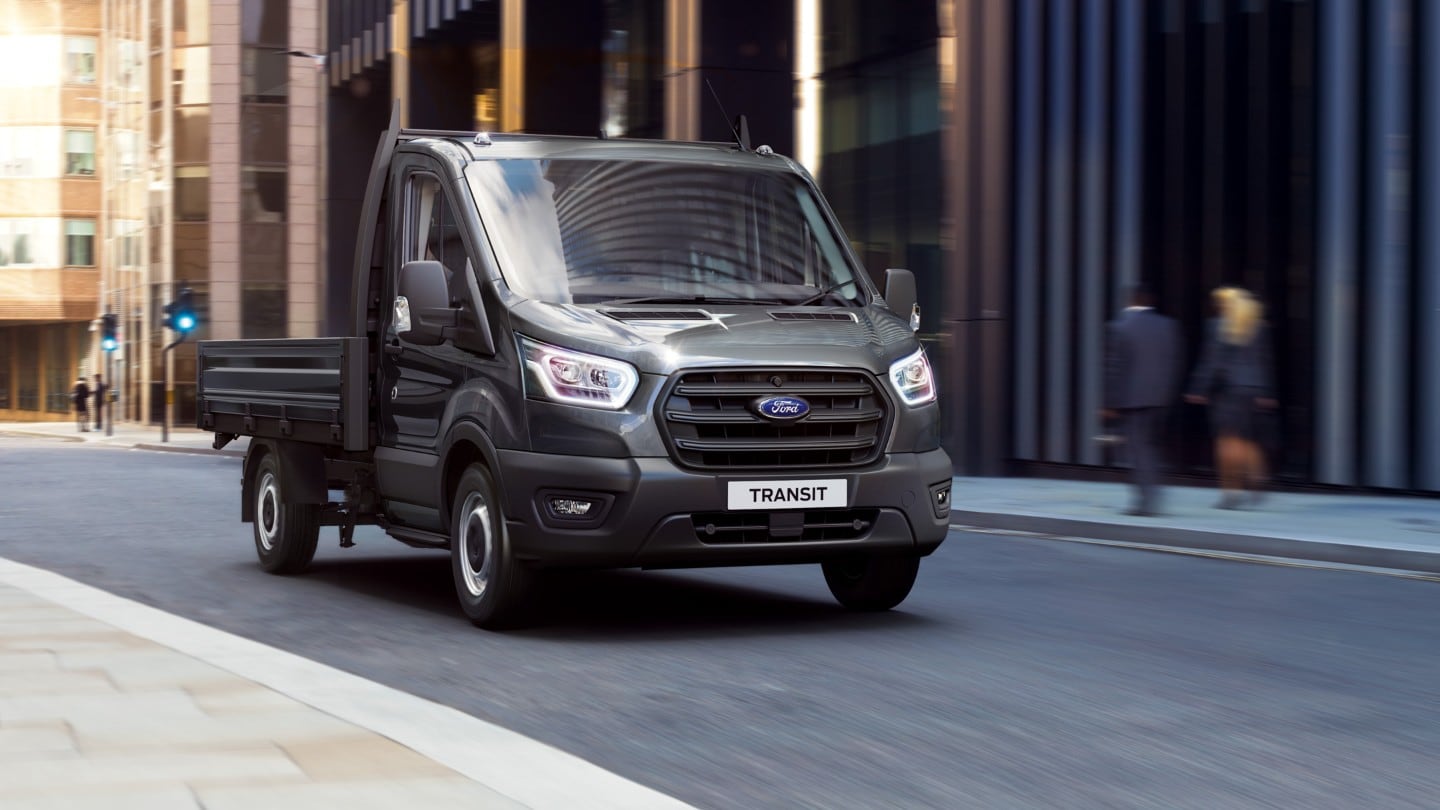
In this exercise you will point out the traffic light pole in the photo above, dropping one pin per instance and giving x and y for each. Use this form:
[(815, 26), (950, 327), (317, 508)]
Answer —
[(109, 404), (169, 392)]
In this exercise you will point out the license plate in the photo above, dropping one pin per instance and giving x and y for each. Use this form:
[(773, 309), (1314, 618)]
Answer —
[(812, 494)]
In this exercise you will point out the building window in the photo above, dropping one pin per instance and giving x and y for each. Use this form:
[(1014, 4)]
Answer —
[(79, 243), (27, 357), (126, 144), (192, 193), (80, 151), (59, 375), (5, 353), (16, 243), (263, 311), (80, 60), (19, 148)]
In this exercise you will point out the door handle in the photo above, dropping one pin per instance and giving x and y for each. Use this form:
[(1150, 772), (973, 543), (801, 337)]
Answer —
[(394, 348)]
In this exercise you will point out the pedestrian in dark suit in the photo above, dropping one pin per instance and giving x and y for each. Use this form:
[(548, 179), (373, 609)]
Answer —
[(78, 396), (1142, 363), (101, 389)]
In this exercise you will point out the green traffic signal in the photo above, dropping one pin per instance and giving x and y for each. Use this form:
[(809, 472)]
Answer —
[(109, 332), (180, 313)]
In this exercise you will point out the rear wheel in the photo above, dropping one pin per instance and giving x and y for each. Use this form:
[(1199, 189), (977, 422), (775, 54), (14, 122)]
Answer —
[(285, 532), (871, 583), (491, 584)]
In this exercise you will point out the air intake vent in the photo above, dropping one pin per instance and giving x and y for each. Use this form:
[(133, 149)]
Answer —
[(658, 315), (791, 315)]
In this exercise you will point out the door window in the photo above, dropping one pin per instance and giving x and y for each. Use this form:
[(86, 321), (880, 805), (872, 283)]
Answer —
[(432, 233), (434, 230)]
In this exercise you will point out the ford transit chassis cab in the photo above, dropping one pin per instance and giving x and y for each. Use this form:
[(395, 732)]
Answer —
[(591, 353)]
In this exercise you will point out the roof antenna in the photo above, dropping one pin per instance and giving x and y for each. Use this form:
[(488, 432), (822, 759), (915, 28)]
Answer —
[(740, 129)]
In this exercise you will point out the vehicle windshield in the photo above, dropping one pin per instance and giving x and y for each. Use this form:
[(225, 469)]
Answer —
[(633, 232)]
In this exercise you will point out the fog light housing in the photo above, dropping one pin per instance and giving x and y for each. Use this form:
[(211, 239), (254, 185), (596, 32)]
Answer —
[(563, 507), (566, 509), (940, 500)]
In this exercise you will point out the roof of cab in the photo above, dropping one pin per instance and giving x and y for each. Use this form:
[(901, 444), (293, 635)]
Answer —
[(501, 146)]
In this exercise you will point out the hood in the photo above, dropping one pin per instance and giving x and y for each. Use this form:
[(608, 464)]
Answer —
[(659, 339)]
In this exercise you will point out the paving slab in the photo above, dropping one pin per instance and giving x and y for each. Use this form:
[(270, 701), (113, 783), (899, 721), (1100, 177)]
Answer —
[(108, 702)]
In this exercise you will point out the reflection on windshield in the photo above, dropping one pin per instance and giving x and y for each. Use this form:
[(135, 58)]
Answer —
[(522, 201), (588, 231)]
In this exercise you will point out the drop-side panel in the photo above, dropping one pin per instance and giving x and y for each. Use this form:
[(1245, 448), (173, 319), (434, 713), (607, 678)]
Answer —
[(310, 390)]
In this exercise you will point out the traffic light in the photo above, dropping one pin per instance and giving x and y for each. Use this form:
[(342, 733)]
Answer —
[(180, 313), (109, 332)]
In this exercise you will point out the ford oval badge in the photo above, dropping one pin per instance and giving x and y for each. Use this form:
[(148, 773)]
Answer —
[(782, 409)]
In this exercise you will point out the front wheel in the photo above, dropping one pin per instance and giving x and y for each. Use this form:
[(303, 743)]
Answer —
[(871, 583), (492, 585), (285, 532)]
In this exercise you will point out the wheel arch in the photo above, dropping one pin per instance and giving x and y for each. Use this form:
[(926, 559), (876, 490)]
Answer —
[(302, 471), (467, 444)]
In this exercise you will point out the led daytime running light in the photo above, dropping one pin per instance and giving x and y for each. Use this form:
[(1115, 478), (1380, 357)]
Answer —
[(912, 379), (576, 378)]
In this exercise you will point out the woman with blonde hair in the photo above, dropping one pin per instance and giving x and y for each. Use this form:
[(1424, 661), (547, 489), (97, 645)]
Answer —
[(1235, 378)]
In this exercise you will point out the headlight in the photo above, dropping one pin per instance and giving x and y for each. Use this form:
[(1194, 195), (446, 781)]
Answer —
[(912, 379), (576, 378)]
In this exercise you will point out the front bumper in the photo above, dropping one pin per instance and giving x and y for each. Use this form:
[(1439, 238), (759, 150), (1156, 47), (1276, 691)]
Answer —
[(651, 513)]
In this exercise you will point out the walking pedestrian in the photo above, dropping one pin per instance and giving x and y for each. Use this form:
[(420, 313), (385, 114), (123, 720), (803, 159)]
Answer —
[(101, 389), (1235, 378), (1142, 363), (79, 395)]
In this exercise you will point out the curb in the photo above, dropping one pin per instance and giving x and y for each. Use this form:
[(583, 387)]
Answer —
[(1330, 551), (196, 451), (26, 434), (140, 445)]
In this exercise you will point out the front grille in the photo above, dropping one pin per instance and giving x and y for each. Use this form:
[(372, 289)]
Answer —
[(736, 528), (710, 423)]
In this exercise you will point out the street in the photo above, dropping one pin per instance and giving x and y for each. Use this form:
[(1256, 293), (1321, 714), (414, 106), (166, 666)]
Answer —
[(1020, 672)]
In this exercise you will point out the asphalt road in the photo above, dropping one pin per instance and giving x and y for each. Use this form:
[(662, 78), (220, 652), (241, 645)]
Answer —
[(1020, 673)]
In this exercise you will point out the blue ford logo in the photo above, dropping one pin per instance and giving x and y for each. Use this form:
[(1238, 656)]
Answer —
[(782, 409)]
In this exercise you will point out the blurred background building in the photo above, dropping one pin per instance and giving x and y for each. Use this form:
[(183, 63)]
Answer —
[(50, 204), (1029, 160)]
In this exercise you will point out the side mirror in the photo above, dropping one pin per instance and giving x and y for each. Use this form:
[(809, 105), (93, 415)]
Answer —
[(422, 308), (901, 296)]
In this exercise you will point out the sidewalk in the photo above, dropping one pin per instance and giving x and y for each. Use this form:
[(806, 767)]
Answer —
[(108, 703), (1355, 529), (183, 439)]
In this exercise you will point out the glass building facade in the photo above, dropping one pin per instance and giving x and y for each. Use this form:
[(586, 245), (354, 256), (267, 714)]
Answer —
[(1198, 143)]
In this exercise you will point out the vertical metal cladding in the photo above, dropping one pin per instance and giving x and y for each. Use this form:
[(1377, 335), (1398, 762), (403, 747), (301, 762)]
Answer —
[(1095, 109), (1128, 148), (1059, 238), (1427, 412), (1337, 251), (1388, 238), (1028, 180)]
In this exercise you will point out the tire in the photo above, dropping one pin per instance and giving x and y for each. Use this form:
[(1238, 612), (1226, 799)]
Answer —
[(871, 583), (285, 533), (491, 584)]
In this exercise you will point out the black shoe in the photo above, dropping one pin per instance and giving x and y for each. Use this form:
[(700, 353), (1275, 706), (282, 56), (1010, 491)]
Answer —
[(1141, 513), (1228, 502)]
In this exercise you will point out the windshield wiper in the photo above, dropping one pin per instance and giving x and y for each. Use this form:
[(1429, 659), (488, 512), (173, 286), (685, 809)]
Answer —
[(692, 299), (826, 293)]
